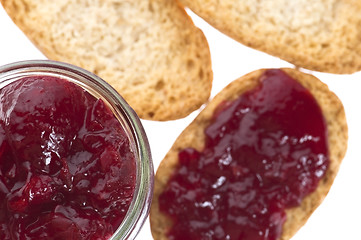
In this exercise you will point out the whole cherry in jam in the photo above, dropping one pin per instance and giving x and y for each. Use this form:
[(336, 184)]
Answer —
[(67, 169), (264, 152)]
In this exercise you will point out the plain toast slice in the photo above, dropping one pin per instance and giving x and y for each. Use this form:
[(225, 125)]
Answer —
[(148, 50)]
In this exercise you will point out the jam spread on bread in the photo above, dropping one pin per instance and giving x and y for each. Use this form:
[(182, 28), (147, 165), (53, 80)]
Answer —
[(264, 153), (67, 170)]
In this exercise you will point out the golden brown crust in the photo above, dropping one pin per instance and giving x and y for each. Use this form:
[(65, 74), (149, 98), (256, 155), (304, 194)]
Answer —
[(148, 50), (193, 136), (321, 35)]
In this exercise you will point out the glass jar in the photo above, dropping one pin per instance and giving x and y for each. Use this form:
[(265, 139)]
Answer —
[(139, 207)]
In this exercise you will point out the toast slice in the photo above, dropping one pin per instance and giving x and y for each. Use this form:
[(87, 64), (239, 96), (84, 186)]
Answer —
[(193, 136), (321, 35), (148, 50)]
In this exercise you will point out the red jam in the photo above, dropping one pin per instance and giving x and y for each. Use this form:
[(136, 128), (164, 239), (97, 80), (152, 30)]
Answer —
[(67, 170), (264, 152)]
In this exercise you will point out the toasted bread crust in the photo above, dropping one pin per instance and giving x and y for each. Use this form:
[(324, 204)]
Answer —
[(321, 35), (193, 136), (148, 50)]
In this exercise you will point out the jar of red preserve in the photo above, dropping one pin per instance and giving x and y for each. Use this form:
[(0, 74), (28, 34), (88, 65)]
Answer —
[(75, 162)]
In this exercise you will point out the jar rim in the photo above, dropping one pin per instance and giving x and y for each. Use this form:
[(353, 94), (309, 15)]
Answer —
[(139, 208)]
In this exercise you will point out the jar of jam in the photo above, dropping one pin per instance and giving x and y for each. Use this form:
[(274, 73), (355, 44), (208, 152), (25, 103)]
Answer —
[(75, 161)]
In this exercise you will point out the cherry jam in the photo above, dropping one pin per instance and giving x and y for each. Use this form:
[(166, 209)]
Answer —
[(67, 170), (264, 152)]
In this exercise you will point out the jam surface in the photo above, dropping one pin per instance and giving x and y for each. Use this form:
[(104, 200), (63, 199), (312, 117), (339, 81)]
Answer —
[(264, 152), (67, 170)]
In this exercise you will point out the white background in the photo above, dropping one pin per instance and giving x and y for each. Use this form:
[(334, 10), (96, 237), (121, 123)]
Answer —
[(339, 217)]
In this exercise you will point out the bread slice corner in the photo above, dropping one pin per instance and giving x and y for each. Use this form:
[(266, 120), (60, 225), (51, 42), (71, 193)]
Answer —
[(320, 35)]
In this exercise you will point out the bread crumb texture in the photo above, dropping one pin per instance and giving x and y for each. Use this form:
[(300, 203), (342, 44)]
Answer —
[(148, 50), (321, 35), (193, 136)]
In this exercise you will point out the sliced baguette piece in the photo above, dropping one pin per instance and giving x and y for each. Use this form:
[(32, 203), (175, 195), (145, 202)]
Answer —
[(193, 136), (321, 35), (148, 50)]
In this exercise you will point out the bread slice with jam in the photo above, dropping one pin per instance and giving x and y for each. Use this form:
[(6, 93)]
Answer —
[(321, 35), (164, 224), (148, 50)]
